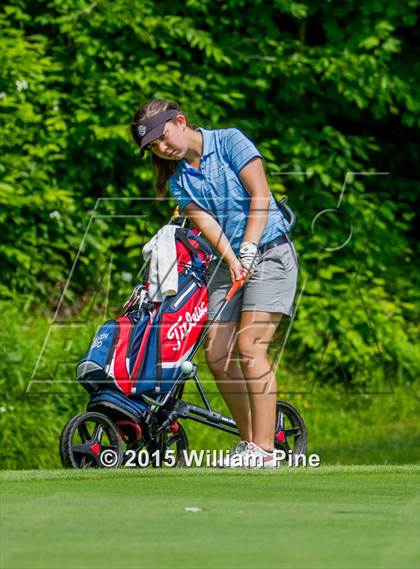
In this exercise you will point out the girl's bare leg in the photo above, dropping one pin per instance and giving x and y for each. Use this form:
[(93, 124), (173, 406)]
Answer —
[(222, 360), (255, 332)]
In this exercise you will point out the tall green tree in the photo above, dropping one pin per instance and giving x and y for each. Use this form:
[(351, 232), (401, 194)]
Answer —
[(328, 92)]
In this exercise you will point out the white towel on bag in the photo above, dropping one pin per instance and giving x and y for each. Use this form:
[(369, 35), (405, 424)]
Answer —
[(163, 269)]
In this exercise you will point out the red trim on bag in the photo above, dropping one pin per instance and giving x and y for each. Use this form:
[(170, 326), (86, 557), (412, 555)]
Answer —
[(122, 377), (184, 255)]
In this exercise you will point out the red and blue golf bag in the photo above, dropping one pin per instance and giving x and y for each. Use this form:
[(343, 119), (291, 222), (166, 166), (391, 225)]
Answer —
[(143, 350)]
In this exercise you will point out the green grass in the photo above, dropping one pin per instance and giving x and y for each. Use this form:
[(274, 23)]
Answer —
[(335, 516)]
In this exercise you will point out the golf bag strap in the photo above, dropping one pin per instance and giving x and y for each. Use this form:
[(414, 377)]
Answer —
[(138, 364), (180, 234), (288, 213)]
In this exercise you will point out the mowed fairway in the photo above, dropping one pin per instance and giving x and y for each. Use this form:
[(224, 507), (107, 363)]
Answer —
[(338, 517)]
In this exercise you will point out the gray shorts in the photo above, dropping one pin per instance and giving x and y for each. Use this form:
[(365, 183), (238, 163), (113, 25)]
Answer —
[(271, 288)]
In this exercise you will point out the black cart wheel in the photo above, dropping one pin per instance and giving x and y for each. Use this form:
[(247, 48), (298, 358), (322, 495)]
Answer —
[(90, 440), (290, 433), (177, 443), (166, 449)]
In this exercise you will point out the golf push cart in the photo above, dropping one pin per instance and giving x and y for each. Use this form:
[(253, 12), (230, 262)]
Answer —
[(138, 366)]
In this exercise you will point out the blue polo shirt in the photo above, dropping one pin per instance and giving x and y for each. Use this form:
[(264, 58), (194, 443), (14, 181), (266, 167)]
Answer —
[(217, 188)]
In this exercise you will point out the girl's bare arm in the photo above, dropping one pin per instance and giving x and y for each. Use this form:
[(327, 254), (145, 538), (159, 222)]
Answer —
[(253, 178), (215, 236)]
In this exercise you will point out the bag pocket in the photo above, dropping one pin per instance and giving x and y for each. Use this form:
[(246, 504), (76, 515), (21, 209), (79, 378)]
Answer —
[(92, 371)]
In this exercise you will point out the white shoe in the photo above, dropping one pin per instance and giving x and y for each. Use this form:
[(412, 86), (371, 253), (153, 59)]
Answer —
[(235, 456), (256, 457), (240, 447)]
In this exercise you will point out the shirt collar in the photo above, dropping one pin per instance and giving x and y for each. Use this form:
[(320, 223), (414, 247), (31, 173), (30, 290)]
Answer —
[(209, 146), (208, 141)]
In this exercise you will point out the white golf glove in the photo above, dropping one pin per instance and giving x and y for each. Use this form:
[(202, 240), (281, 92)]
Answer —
[(249, 255)]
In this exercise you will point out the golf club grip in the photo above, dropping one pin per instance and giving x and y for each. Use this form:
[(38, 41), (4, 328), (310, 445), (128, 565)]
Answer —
[(234, 289)]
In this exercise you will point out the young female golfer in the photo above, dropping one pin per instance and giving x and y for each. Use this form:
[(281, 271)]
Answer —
[(218, 180)]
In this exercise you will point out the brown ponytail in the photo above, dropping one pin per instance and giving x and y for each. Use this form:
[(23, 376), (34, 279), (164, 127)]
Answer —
[(163, 168)]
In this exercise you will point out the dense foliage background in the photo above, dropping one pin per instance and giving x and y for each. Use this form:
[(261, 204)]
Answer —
[(328, 92)]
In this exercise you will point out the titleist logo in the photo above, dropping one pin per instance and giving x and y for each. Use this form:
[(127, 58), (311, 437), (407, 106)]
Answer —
[(182, 328)]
